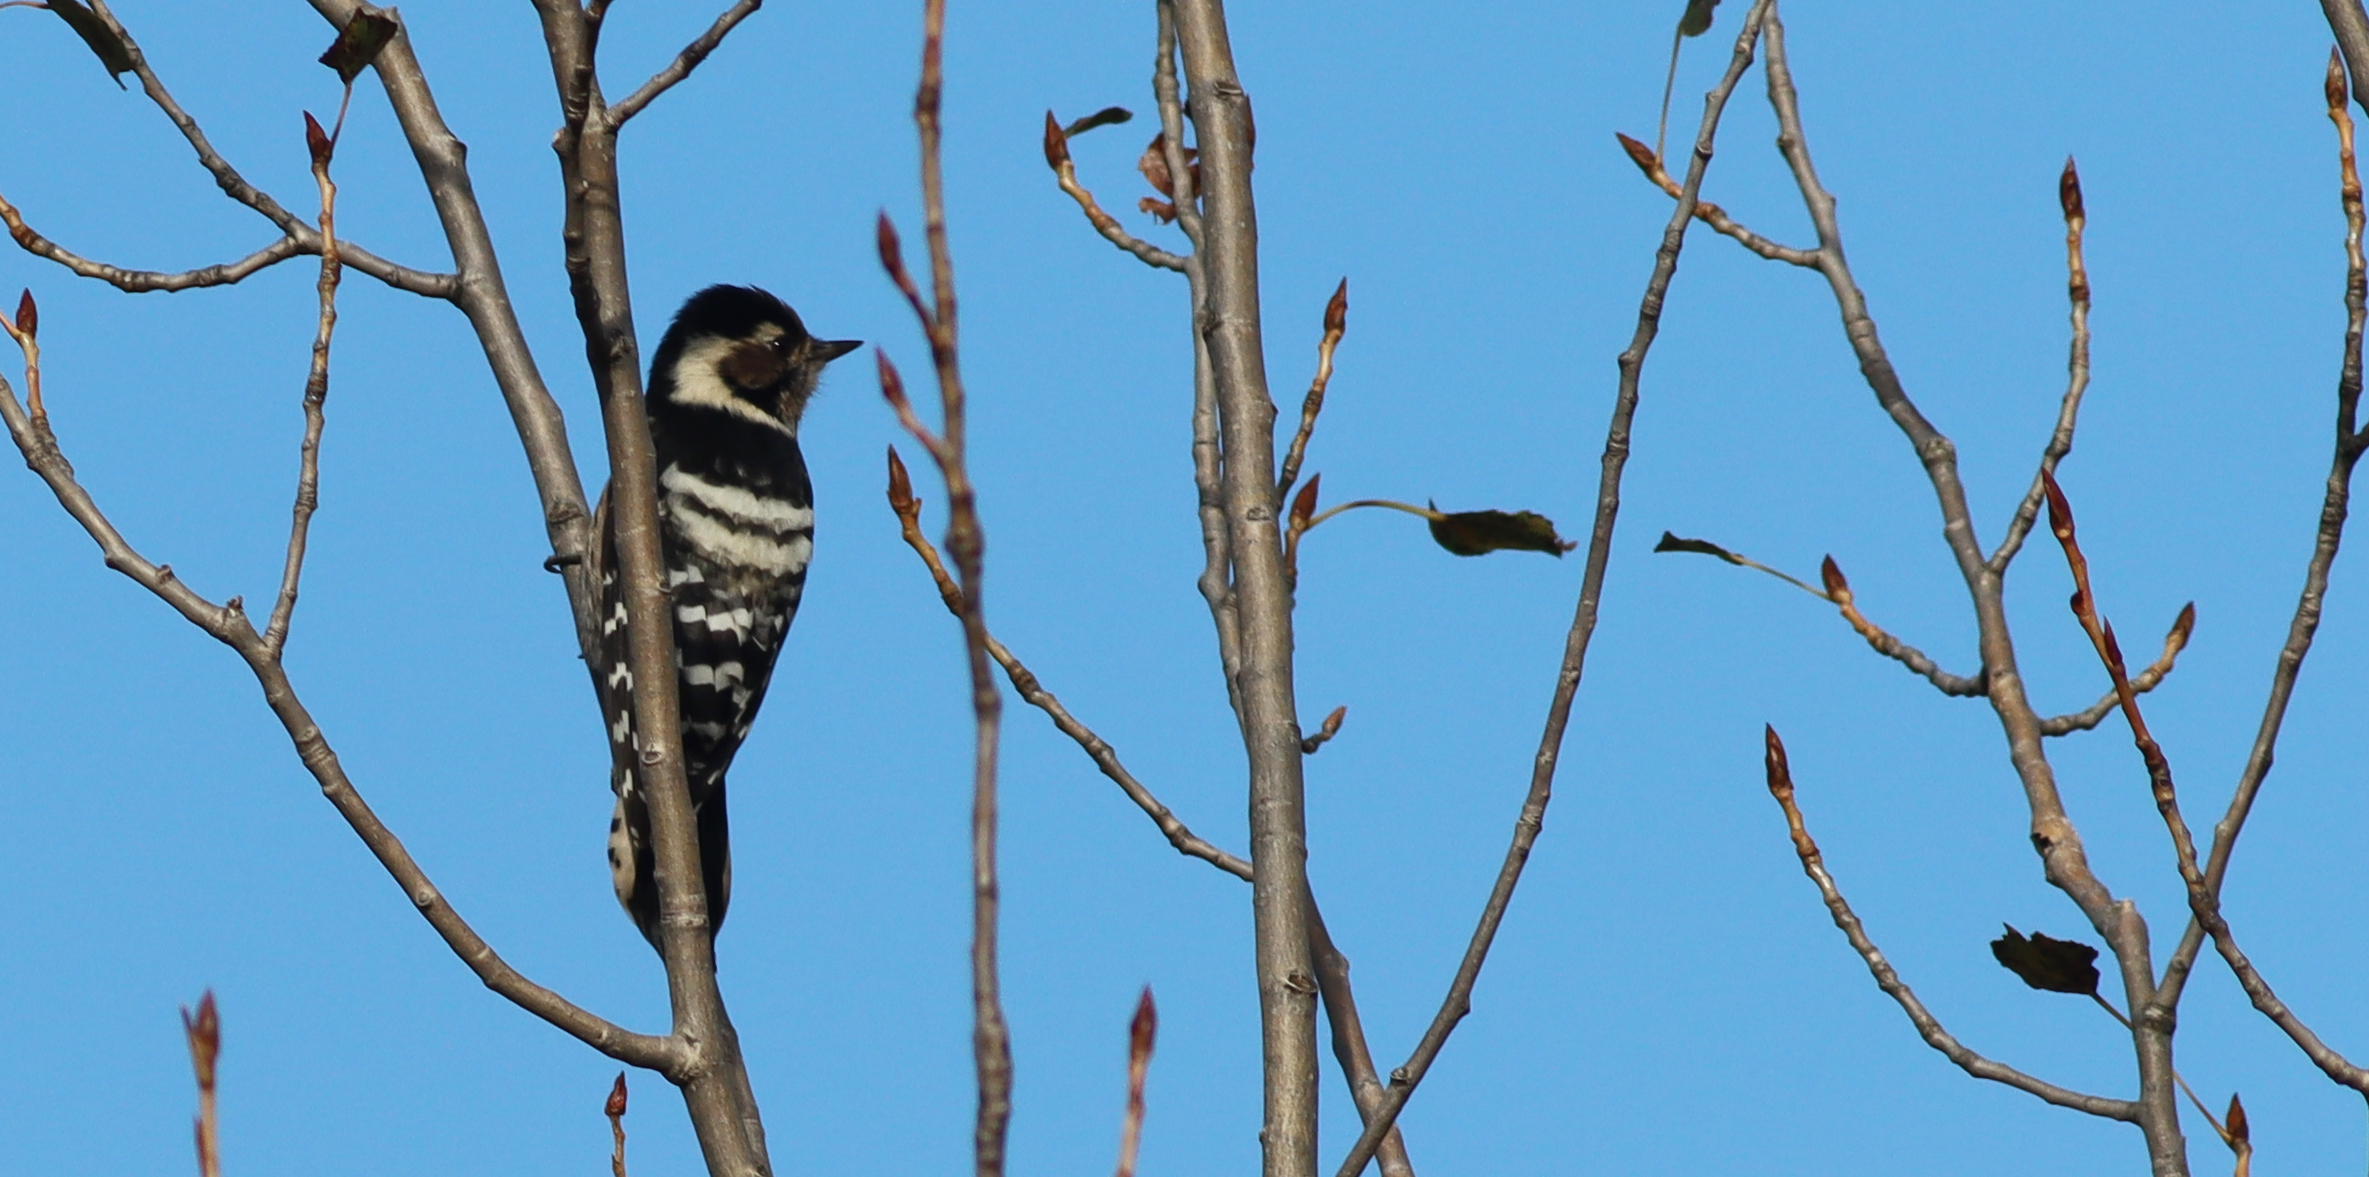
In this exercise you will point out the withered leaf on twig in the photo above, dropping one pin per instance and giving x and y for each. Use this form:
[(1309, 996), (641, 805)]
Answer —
[(1153, 163), (1697, 20), (2044, 962), (358, 45), (1108, 116), (1675, 543), (1477, 533), (113, 53)]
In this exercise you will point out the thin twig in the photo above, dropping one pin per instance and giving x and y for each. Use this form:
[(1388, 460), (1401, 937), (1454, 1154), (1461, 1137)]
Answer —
[(1813, 864), (2334, 506), (2060, 443), (991, 1040), (2064, 860), (1838, 590), (1458, 1002), (316, 392), (1350, 1050), (1032, 691), (1336, 324), (683, 62), (2203, 898), (142, 281), (2206, 1112), (2173, 642), (228, 624), (1141, 1030), (1215, 582), (1649, 161), (1065, 173)]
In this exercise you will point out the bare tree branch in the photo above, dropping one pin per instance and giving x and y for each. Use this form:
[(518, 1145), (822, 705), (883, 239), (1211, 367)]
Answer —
[(2353, 38), (1583, 624), (2095, 713), (1649, 162), (482, 295), (715, 1086), (1336, 325), (1227, 253), (2060, 443), (143, 281), (1349, 1043), (684, 62), (2203, 900), (1065, 173), (1780, 779), (1838, 591), (1216, 580), (1033, 692), (316, 396), (228, 624), (966, 542)]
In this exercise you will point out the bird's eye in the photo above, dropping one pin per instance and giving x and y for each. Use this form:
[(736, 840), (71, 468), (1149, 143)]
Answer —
[(780, 345)]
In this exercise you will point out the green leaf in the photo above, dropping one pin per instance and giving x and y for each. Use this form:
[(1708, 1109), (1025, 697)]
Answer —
[(358, 45), (1674, 543), (1697, 20), (2059, 966), (113, 53), (1478, 533)]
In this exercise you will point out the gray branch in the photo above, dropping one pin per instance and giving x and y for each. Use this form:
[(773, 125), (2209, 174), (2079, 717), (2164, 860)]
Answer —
[(2066, 865), (1227, 256), (1404, 1080), (683, 63)]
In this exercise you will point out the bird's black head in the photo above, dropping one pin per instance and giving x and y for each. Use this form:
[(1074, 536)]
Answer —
[(739, 350)]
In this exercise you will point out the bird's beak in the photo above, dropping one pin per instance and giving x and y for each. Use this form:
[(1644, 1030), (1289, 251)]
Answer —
[(831, 349)]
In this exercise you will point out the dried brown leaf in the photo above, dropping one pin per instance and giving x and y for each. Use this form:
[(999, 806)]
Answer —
[(1108, 116), (1697, 19), (359, 43), (1676, 543), (2044, 962), (1478, 533), (111, 51)]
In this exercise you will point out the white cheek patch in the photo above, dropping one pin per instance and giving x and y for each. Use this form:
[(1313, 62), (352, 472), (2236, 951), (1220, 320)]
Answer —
[(698, 382), (738, 503)]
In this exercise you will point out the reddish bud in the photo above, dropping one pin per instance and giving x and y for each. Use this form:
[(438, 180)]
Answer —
[(1142, 1030), (2336, 95), (2068, 192), (28, 316), (1303, 504), (616, 1105), (204, 1031), (2114, 652), (2236, 1119), (2060, 509), (1836, 586), (1056, 143), (892, 254), (1780, 773), (892, 386), (2185, 624), (1336, 312), (900, 487), (1639, 154), (317, 141), (2079, 603)]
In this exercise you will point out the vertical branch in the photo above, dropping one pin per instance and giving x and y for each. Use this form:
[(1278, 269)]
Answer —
[(316, 386), (966, 543), (2060, 443), (1583, 623), (1228, 256), (715, 1087), (1216, 581)]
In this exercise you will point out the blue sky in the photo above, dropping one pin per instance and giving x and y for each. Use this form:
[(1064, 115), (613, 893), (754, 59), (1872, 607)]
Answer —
[(1667, 994)]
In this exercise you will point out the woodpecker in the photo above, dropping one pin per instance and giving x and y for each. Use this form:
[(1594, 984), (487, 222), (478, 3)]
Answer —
[(735, 530)]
